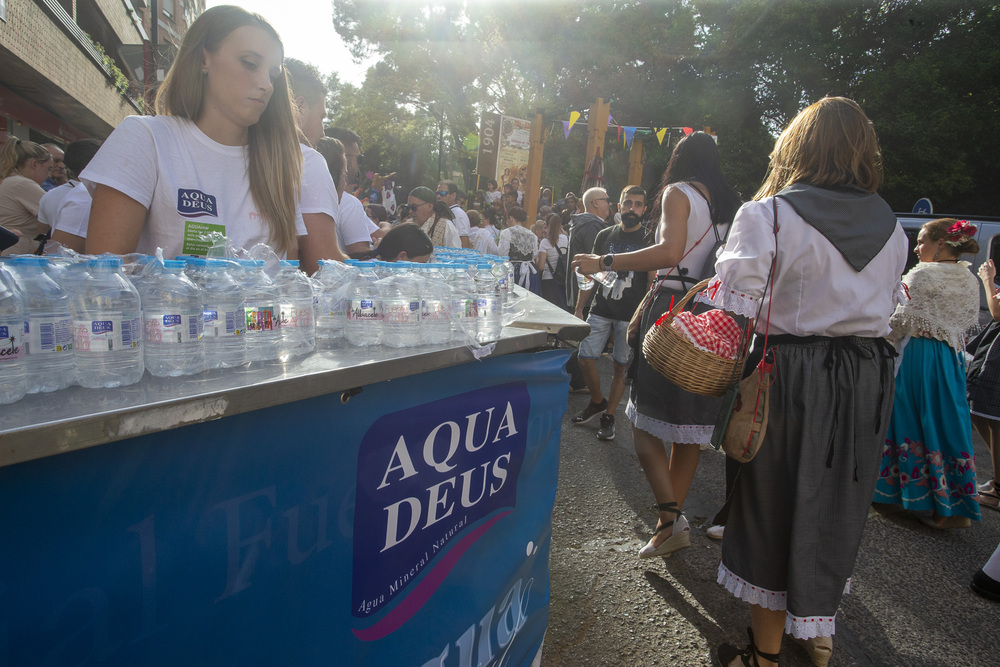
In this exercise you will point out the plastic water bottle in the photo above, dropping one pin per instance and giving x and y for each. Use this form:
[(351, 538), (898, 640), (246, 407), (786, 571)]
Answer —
[(332, 280), (263, 313), (364, 308), (107, 327), (401, 308), (463, 302), (298, 328), (173, 321), (12, 357), (489, 304), (48, 327), (436, 303), (224, 337), (500, 279)]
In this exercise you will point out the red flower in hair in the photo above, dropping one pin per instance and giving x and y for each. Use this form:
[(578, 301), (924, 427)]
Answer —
[(962, 228)]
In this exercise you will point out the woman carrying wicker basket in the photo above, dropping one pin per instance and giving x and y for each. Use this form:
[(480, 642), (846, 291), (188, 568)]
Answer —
[(799, 508), (695, 207)]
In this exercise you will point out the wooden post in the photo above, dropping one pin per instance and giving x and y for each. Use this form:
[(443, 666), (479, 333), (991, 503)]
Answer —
[(535, 152), (636, 160), (597, 124)]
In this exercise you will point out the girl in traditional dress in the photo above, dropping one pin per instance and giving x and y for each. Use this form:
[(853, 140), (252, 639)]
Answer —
[(927, 464)]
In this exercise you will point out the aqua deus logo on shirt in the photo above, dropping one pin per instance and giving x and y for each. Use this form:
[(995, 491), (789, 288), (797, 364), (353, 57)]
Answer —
[(195, 203)]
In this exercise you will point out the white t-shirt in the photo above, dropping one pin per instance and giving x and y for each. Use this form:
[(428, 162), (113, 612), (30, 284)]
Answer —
[(551, 254), (354, 225), (319, 193), (461, 220), (50, 202), (74, 214), (189, 184), (482, 241)]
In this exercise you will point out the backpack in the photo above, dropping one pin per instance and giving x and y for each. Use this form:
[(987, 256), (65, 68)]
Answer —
[(559, 273)]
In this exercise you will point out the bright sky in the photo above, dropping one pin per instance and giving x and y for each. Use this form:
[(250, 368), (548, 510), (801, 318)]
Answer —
[(306, 30)]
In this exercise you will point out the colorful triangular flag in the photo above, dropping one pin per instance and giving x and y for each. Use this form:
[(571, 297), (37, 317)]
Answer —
[(573, 117), (566, 127), (687, 130), (660, 133), (629, 134)]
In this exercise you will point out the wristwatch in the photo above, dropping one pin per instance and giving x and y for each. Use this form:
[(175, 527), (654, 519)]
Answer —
[(608, 260)]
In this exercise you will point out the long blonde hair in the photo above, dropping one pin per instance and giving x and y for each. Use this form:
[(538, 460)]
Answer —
[(16, 153), (829, 144), (274, 157)]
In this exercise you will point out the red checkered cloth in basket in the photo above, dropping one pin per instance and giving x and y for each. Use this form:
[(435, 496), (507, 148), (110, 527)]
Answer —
[(712, 331)]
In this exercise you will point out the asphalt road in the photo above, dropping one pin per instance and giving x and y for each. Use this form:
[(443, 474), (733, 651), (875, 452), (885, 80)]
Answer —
[(910, 603)]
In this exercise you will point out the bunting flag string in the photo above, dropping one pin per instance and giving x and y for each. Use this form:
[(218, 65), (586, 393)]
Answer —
[(627, 133)]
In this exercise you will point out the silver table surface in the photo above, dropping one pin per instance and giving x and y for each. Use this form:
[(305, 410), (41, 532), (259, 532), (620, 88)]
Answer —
[(43, 425)]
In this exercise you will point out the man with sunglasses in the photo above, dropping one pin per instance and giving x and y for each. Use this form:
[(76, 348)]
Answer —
[(447, 191)]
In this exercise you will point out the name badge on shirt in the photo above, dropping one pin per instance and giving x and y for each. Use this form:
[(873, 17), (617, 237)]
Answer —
[(196, 241)]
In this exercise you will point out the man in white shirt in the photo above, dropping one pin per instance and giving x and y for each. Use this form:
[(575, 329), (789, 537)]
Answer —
[(354, 228), (447, 191)]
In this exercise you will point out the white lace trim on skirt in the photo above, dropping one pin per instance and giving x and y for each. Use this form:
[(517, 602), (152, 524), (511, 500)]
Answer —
[(695, 434), (801, 627)]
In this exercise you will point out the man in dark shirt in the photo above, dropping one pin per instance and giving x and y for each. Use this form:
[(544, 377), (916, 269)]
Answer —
[(583, 229), (611, 311)]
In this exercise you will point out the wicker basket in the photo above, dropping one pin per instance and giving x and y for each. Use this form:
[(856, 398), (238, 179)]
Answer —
[(676, 358)]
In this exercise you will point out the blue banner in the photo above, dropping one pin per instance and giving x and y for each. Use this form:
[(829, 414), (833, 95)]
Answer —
[(409, 526)]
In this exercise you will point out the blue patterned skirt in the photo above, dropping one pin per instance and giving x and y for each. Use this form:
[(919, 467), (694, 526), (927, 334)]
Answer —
[(928, 462)]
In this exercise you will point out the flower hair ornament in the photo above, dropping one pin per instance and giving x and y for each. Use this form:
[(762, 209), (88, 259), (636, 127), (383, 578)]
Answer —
[(959, 233)]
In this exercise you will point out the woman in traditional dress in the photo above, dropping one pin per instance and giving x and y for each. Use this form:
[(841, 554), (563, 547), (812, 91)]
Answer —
[(696, 206), (520, 244), (927, 464), (799, 507)]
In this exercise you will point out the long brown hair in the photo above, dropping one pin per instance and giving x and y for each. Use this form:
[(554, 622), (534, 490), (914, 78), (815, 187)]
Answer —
[(829, 144), (553, 228), (274, 157)]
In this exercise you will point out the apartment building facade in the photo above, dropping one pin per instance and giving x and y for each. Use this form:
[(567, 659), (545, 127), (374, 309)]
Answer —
[(62, 75)]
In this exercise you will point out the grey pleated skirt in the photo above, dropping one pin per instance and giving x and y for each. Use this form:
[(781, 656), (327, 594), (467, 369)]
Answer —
[(799, 508)]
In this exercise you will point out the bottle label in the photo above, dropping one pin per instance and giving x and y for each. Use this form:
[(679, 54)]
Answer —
[(401, 311), (173, 328), (222, 323), (485, 307), (11, 342), (262, 317), (48, 335), (296, 315), (364, 309), (435, 310), (106, 333), (463, 307)]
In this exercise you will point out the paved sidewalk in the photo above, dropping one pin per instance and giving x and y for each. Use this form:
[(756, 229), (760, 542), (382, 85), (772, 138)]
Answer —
[(910, 603)]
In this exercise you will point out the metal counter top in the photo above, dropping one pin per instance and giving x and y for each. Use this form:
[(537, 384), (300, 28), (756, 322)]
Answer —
[(43, 425)]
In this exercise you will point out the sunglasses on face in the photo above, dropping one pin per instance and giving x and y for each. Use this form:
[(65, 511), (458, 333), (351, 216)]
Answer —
[(443, 193)]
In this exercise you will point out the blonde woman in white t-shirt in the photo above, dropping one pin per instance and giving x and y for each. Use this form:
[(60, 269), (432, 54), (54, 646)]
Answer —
[(223, 155)]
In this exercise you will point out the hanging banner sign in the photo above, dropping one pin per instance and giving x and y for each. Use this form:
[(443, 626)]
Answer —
[(515, 146), (489, 143)]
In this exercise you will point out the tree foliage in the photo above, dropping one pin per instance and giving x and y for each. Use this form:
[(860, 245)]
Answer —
[(925, 71)]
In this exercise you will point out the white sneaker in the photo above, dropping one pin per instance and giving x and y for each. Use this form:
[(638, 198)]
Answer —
[(715, 532), (985, 487)]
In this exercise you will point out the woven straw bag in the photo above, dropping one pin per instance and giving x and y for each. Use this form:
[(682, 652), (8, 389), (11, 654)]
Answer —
[(676, 358)]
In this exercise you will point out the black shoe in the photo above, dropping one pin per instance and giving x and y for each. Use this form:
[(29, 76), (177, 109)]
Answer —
[(591, 412), (607, 430), (985, 585)]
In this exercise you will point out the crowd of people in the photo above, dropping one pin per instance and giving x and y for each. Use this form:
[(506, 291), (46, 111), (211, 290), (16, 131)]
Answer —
[(873, 400), (872, 397)]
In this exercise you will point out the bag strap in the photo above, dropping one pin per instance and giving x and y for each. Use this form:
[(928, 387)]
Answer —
[(739, 368), (548, 260)]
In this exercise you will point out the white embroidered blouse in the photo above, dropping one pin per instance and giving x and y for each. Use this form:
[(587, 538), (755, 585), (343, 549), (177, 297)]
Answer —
[(943, 303), (815, 292)]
